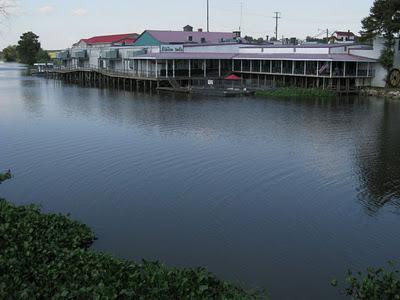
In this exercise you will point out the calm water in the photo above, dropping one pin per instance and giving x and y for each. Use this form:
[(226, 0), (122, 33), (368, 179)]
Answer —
[(267, 193)]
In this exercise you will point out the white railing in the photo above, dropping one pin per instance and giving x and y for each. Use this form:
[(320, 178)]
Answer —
[(105, 71)]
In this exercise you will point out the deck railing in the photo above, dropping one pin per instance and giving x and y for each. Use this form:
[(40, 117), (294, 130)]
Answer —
[(105, 71)]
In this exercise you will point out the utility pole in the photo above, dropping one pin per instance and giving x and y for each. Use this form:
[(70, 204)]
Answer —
[(277, 17), (241, 16), (208, 15)]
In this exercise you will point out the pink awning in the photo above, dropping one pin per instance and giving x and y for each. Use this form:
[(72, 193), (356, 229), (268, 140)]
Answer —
[(233, 77)]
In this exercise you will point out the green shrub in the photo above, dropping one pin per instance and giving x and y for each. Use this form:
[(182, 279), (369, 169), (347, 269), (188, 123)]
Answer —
[(47, 256), (5, 176), (376, 284)]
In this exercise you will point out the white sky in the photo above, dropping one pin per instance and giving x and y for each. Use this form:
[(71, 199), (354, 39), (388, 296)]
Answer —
[(59, 23)]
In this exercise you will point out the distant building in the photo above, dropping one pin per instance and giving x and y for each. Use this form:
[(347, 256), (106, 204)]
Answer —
[(193, 55), (53, 54), (343, 37)]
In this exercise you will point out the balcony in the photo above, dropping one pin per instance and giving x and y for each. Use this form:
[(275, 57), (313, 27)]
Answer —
[(110, 54), (81, 54)]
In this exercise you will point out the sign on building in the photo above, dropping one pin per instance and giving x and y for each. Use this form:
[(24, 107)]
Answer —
[(171, 48)]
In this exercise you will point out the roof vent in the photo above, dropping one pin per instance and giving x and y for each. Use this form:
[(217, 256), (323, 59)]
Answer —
[(200, 30), (188, 28)]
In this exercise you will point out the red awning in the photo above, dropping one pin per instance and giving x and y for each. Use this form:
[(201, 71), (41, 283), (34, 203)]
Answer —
[(233, 77)]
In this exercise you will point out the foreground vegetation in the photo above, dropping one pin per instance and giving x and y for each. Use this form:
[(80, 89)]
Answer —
[(47, 256), (376, 284), (5, 176), (295, 92)]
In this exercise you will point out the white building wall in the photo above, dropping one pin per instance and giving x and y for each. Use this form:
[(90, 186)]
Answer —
[(338, 50), (286, 50), (375, 53), (312, 50), (232, 48), (379, 79), (94, 55)]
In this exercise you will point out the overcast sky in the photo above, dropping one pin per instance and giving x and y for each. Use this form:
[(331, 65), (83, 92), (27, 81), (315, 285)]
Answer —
[(59, 23)]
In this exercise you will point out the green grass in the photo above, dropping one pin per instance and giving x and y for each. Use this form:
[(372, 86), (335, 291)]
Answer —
[(296, 92), (48, 256)]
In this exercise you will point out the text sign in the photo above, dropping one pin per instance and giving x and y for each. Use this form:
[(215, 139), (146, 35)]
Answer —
[(171, 48)]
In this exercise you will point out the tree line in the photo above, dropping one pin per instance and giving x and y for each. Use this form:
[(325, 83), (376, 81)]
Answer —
[(383, 20), (28, 50)]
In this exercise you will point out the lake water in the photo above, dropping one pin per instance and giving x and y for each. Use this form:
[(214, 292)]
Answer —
[(266, 193)]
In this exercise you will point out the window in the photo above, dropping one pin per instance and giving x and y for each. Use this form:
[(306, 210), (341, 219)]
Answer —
[(190, 38), (203, 40)]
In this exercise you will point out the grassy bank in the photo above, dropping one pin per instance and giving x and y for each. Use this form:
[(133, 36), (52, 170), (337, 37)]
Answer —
[(295, 92), (47, 256)]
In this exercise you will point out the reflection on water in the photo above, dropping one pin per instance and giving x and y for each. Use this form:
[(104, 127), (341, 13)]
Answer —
[(32, 96), (379, 161), (278, 194)]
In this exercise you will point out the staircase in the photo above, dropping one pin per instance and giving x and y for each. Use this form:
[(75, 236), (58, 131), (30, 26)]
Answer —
[(174, 84)]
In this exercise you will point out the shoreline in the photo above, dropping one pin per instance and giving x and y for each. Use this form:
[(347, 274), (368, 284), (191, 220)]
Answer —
[(288, 92), (387, 93)]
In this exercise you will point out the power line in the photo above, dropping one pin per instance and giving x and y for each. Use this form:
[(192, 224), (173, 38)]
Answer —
[(277, 16)]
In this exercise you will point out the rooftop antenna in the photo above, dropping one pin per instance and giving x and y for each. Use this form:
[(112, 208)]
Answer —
[(277, 16), (208, 15)]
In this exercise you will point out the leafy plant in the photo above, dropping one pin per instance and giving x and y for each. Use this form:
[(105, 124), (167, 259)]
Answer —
[(47, 256), (376, 284), (28, 48), (5, 176), (10, 53)]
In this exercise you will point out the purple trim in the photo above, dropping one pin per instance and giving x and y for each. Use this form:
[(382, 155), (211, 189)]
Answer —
[(309, 46), (256, 56), (294, 56), (186, 55)]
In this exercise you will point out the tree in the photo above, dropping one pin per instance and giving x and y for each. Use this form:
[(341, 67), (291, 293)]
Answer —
[(28, 48), (311, 39), (10, 53), (383, 20), (252, 40), (42, 56)]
